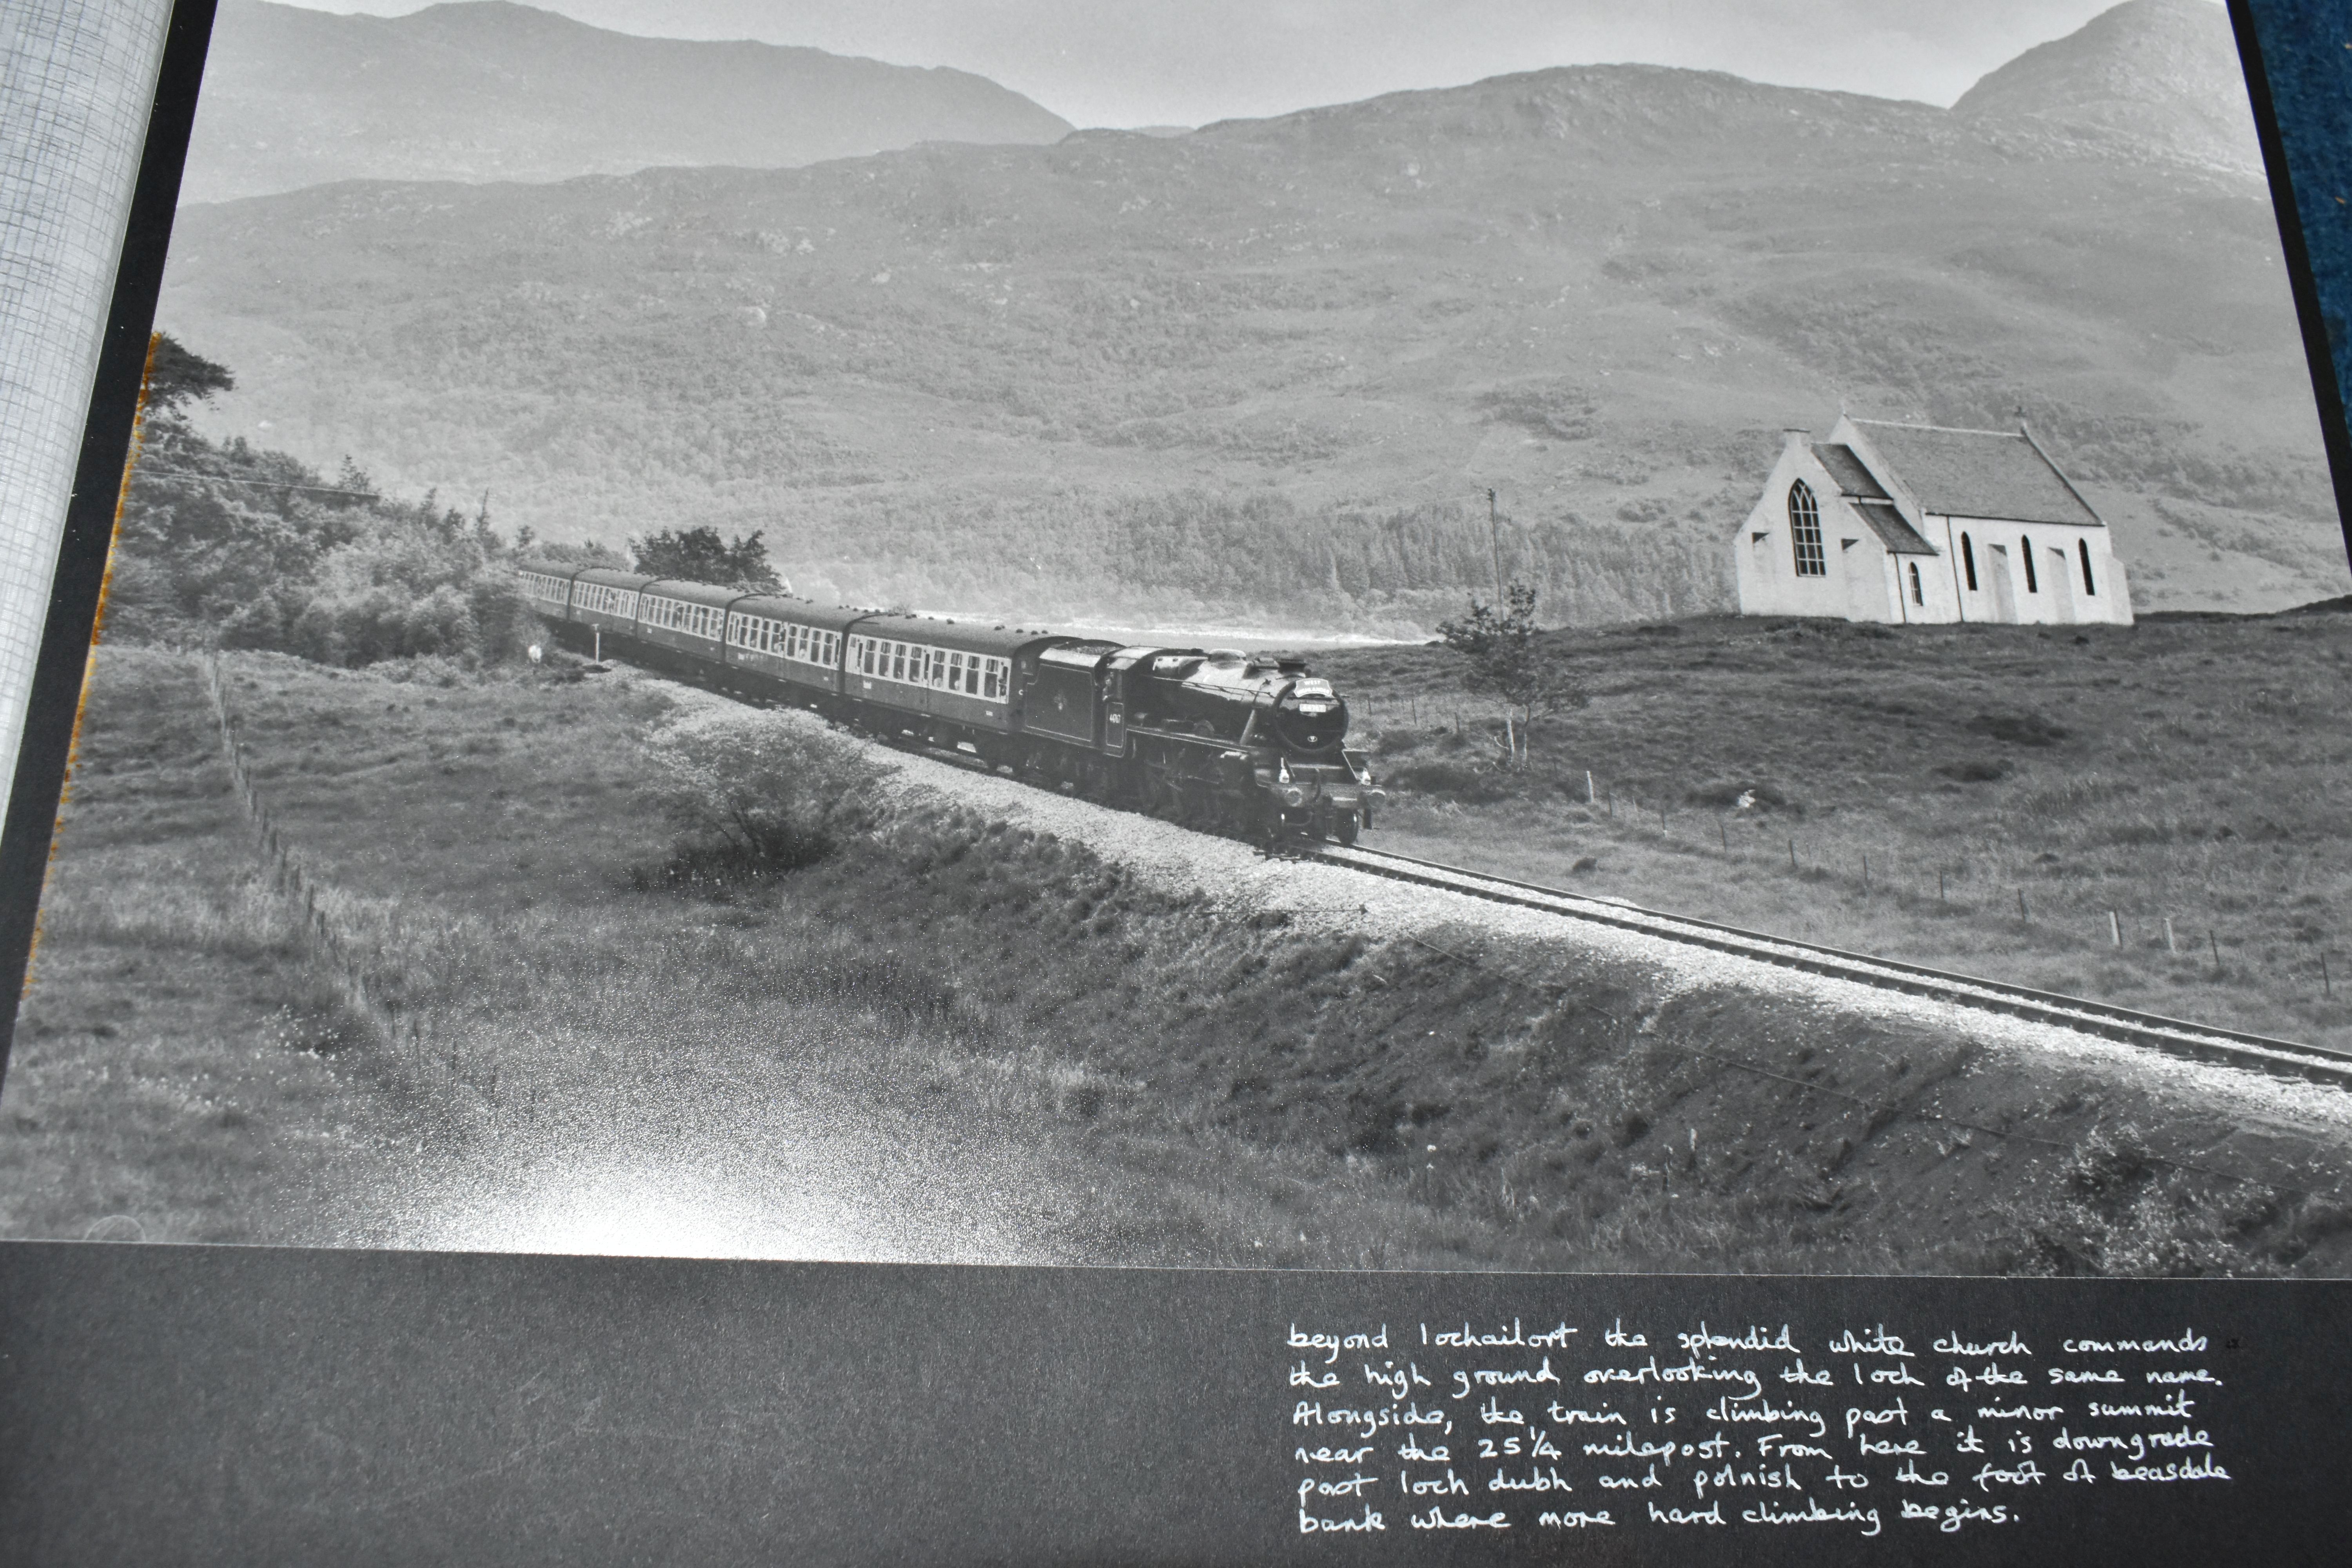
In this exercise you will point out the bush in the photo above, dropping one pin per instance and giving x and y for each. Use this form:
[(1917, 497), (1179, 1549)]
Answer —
[(753, 797), (225, 545)]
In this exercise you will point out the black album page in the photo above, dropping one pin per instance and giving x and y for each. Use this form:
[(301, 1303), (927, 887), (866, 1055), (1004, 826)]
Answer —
[(1180, 783)]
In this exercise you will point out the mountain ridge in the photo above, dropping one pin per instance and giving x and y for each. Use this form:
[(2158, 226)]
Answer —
[(487, 90)]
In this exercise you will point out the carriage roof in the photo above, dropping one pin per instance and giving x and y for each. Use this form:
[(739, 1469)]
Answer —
[(799, 612), (968, 637)]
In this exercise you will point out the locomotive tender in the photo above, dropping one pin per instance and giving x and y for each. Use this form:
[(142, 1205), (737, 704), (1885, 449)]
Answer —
[(1208, 737)]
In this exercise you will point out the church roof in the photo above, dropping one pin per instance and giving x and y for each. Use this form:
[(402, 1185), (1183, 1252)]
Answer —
[(1976, 473), (1854, 481), (1897, 535)]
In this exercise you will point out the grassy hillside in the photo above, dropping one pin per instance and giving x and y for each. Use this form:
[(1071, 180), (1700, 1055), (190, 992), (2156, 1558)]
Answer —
[(1265, 373), (955, 1039), (2186, 768)]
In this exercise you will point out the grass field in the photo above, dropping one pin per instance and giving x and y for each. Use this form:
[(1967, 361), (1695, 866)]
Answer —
[(2189, 769), (957, 1039)]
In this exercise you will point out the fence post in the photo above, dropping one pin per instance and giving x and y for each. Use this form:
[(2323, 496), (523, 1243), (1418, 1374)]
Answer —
[(1589, 797), (1939, 889), (2115, 927), (2326, 981), (2024, 909), (2216, 943), (1722, 826), (1792, 855), (1865, 873), (2170, 945)]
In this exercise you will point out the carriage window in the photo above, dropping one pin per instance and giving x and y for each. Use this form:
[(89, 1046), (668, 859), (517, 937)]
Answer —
[(1805, 531), (2089, 587), (2025, 549)]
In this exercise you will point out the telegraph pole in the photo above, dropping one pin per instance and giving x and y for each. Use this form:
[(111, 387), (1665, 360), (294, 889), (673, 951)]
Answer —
[(1495, 544)]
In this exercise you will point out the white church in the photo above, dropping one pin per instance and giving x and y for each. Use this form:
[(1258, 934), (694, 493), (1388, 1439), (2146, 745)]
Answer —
[(1918, 524)]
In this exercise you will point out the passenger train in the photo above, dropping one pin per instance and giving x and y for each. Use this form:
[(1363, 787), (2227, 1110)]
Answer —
[(1208, 737)]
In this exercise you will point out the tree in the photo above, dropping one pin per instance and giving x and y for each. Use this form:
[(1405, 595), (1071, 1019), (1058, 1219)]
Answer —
[(699, 555), (1510, 659), (176, 377)]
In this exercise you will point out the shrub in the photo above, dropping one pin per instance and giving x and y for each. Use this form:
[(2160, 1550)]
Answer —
[(756, 796)]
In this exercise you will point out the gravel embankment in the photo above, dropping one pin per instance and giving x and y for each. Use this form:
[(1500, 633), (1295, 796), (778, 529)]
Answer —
[(1239, 876)]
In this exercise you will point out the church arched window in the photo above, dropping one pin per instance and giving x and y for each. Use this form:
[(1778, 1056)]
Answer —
[(1969, 562), (1919, 592), (2025, 549), (1805, 531), (2089, 587)]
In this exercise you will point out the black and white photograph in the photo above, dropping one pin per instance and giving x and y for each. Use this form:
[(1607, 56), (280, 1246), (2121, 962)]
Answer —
[(1706, 636)]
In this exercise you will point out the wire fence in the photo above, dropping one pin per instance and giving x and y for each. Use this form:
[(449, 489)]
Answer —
[(331, 941)]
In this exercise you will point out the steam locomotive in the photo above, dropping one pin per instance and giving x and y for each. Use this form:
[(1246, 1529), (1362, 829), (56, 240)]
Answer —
[(1211, 738)]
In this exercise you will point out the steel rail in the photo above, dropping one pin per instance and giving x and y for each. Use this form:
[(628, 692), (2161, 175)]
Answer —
[(2175, 1037)]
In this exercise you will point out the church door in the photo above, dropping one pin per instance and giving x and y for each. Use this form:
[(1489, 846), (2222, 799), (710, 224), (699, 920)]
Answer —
[(2004, 586), (2059, 573)]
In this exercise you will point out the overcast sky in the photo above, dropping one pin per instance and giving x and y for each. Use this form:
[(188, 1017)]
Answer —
[(1186, 62)]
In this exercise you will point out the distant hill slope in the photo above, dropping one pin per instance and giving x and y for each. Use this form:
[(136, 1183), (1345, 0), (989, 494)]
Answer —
[(1265, 373), (490, 90), (2160, 75)]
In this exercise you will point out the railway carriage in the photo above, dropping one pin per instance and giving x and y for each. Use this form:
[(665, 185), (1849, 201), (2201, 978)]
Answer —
[(686, 618), (792, 645), (946, 681), (604, 600)]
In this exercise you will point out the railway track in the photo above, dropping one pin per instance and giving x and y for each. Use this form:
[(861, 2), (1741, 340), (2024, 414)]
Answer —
[(2199, 1042), (2174, 1036)]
